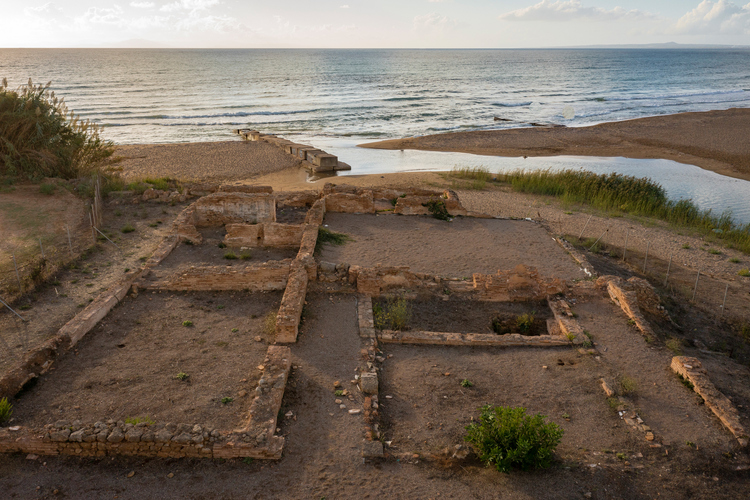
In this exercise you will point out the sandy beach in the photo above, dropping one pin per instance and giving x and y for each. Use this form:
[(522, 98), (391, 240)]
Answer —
[(713, 140)]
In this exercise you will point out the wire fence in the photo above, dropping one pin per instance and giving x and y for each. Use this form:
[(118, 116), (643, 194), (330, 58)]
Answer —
[(720, 297), (27, 266)]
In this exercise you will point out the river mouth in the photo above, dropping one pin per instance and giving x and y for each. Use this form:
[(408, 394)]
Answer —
[(708, 190)]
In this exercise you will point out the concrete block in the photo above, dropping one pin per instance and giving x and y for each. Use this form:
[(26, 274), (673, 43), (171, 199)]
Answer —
[(322, 159)]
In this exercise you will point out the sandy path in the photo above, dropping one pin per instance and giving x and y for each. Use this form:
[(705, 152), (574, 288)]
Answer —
[(714, 140)]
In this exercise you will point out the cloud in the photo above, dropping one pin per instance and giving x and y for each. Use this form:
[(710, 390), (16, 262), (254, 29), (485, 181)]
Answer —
[(143, 5), (721, 17), (432, 24), (344, 7), (46, 11), (191, 5), (569, 10)]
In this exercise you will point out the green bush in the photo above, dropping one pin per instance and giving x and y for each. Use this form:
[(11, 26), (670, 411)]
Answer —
[(39, 137), (6, 410), (507, 438), (525, 322), (48, 189), (437, 209)]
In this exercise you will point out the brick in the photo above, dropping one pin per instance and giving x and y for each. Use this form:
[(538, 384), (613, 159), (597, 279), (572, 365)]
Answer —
[(218, 209)]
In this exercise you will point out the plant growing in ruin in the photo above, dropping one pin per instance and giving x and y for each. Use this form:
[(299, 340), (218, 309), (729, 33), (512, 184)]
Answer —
[(6, 410), (393, 315), (508, 438), (437, 209)]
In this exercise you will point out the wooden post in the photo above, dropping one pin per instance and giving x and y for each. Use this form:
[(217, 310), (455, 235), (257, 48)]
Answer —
[(600, 237), (70, 245), (648, 247), (668, 268), (18, 276), (695, 290), (724, 303), (625, 250), (584, 227), (91, 219), (42, 249)]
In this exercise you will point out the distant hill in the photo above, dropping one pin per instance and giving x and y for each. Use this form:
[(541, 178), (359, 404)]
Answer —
[(668, 45)]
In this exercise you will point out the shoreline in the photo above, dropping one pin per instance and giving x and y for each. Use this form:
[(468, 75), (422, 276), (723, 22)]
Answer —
[(712, 140)]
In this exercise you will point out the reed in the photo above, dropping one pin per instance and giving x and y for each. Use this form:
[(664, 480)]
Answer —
[(632, 195), (40, 137)]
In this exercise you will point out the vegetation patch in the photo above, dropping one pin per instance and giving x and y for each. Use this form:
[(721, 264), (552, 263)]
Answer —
[(6, 410), (508, 438), (437, 209), (325, 235), (631, 195), (41, 138), (394, 314)]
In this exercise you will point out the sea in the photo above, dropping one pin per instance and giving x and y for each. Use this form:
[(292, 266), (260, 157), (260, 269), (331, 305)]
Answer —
[(340, 98)]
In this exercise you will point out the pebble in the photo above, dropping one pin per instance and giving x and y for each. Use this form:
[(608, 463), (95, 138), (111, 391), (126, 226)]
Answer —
[(131, 473), (355, 412), (258, 339), (389, 397), (338, 401), (242, 393), (337, 384), (343, 407), (31, 456), (170, 475)]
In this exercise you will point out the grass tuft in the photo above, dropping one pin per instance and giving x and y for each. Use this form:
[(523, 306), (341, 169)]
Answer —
[(628, 194)]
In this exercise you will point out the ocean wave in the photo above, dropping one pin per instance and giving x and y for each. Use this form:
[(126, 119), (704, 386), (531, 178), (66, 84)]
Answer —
[(512, 104), (676, 95)]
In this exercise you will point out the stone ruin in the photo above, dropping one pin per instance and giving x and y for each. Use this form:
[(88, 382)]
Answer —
[(248, 214)]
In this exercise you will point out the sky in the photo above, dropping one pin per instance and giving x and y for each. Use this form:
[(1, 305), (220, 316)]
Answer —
[(370, 23)]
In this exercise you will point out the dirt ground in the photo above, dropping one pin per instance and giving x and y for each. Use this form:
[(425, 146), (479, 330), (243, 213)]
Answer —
[(26, 216), (455, 313), (51, 306), (599, 458), (451, 249), (128, 366)]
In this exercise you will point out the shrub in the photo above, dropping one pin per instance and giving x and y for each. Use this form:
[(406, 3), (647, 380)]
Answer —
[(226, 400), (127, 228), (187, 322), (48, 189), (6, 410), (182, 376), (393, 315), (524, 322), (327, 236), (507, 438), (437, 209), (269, 323), (744, 272), (628, 385), (41, 138), (466, 383), (230, 256), (674, 345)]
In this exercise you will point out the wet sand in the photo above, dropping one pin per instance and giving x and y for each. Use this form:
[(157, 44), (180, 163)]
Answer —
[(713, 140)]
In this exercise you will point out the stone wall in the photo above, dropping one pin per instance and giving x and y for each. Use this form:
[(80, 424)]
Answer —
[(624, 295), (222, 208), (519, 284), (266, 276), (41, 359), (290, 312), (257, 439), (692, 370)]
